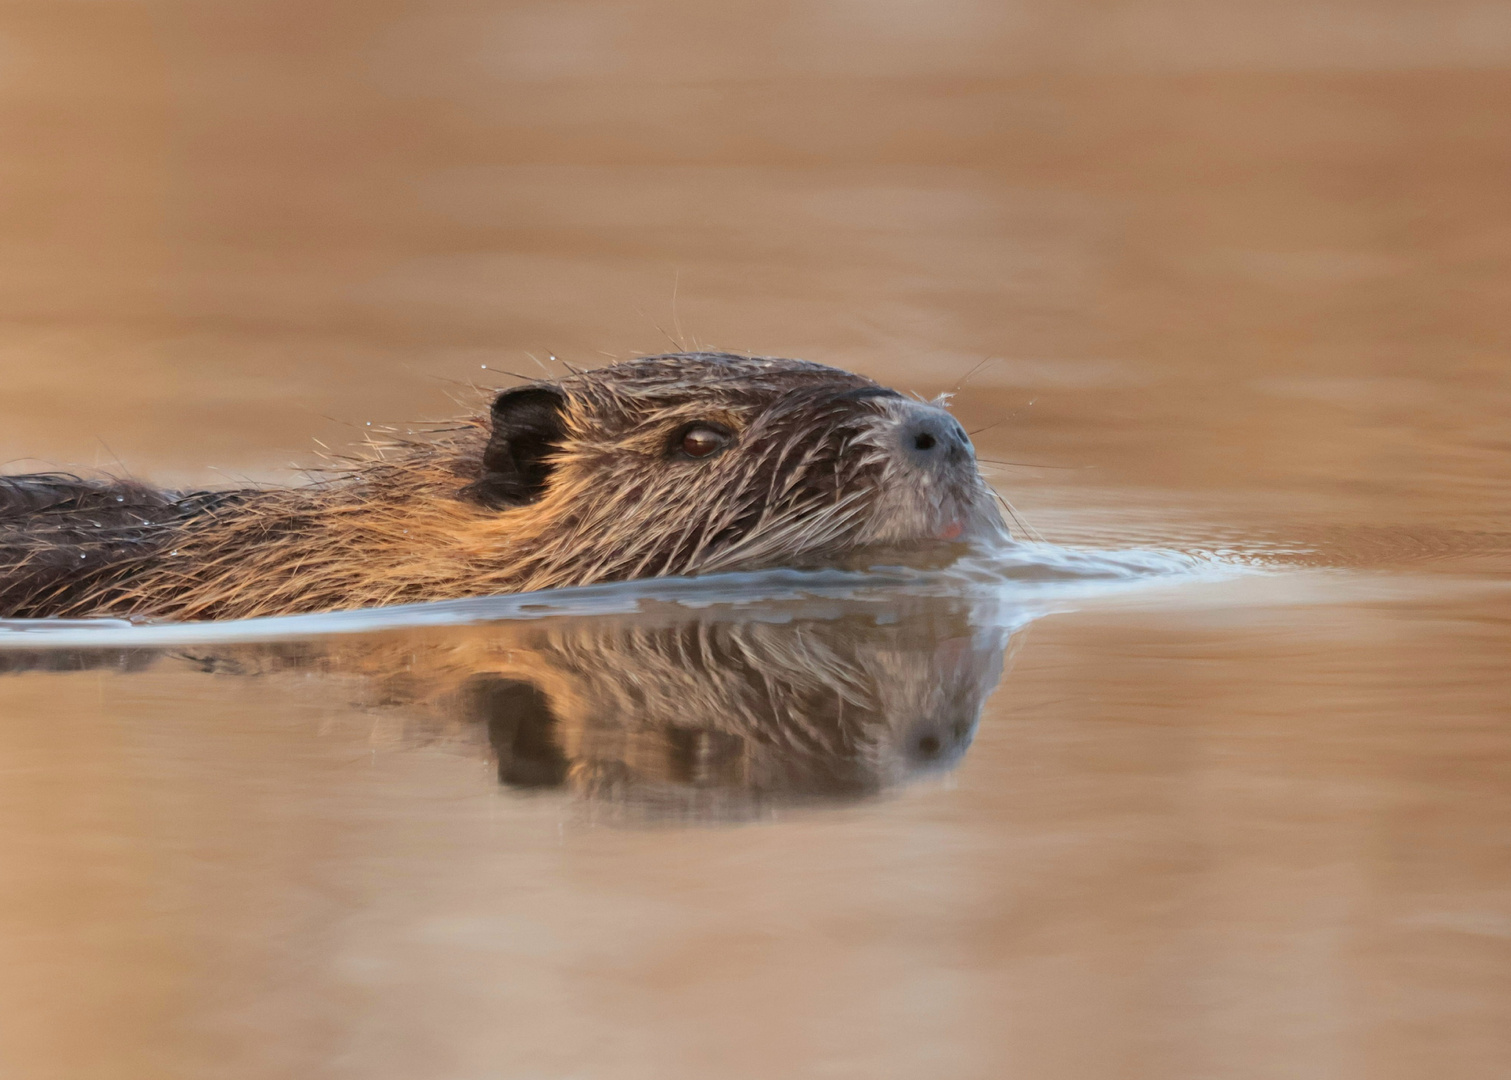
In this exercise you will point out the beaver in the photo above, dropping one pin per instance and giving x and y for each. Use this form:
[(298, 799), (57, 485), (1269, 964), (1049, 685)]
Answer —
[(671, 465)]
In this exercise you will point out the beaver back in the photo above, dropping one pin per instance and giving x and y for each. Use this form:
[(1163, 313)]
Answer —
[(62, 536)]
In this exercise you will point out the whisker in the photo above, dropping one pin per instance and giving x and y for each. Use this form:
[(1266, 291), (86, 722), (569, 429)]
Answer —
[(966, 377), (501, 371), (1017, 519), (1032, 465)]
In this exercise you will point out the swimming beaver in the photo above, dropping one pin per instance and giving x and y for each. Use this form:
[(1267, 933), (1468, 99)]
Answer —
[(687, 463)]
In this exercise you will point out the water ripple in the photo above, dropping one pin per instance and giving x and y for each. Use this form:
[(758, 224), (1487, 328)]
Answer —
[(1016, 572)]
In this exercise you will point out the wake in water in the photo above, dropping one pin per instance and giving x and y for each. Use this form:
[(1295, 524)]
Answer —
[(715, 698), (1037, 575)]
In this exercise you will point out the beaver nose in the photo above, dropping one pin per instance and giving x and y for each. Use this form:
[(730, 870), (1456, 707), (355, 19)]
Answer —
[(931, 437)]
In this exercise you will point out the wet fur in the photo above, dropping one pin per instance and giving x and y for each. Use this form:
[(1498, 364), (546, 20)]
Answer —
[(568, 483), (63, 538)]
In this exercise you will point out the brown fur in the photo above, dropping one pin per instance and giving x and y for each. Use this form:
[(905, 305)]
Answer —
[(577, 482)]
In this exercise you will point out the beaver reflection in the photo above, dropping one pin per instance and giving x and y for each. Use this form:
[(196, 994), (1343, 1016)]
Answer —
[(728, 717), (521, 730), (719, 713)]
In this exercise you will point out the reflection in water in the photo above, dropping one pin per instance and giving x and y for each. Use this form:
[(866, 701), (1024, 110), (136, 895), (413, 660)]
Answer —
[(715, 718), (720, 713)]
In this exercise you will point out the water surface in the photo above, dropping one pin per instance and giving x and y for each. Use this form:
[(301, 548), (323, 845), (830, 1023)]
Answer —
[(1226, 281)]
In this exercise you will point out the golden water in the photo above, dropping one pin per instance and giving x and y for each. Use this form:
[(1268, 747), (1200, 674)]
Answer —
[(1240, 276)]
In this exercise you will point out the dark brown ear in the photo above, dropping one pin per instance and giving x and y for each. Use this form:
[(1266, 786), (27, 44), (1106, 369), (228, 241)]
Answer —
[(527, 431)]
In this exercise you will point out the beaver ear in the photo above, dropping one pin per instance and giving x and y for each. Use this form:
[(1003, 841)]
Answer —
[(527, 431)]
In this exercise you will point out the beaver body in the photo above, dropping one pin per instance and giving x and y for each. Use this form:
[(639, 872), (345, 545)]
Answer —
[(683, 464)]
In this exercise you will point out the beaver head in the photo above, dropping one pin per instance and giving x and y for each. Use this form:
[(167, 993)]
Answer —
[(668, 465), (702, 462)]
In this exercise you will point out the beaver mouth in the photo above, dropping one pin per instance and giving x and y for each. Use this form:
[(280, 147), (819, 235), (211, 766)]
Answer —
[(952, 530)]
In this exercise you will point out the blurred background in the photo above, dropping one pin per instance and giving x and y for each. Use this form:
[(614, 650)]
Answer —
[(1202, 244), (1224, 273)]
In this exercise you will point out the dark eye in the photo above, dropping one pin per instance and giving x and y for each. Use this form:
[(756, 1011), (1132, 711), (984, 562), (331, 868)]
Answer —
[(702, 440)]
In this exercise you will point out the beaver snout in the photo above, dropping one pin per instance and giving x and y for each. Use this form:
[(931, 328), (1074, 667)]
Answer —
[(932, 439)]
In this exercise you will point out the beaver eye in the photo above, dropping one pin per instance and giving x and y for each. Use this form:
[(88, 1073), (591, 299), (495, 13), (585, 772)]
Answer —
[(703, 440)]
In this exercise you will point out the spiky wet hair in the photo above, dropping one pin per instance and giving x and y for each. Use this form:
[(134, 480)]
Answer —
[(624, 502), (570, 482)]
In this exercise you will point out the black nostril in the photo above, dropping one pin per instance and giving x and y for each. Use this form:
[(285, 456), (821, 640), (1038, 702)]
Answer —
[(924, 441), (928, 746)]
